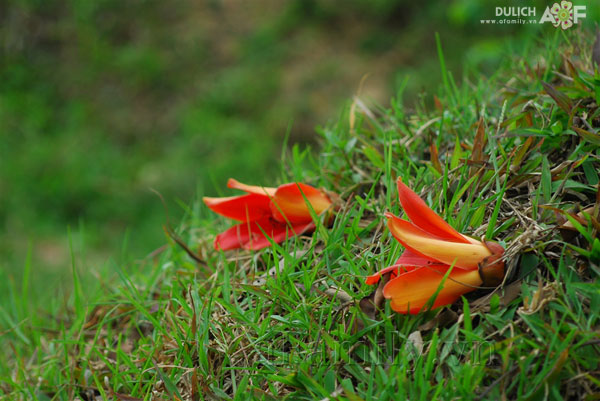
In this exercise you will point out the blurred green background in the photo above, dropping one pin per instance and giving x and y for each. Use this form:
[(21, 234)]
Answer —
[(102, 100)]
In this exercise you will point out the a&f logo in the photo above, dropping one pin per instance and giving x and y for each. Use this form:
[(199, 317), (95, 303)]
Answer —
[(563, 14)]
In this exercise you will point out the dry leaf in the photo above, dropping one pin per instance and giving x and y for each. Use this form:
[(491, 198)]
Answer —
[(541, 297), (444, 318), (507, 294), (339, 294), (479, 142), (414, 343), (596, 50), (374, 301), (371, 304), (477, 154), (438, 104), (435, 158), (560, 98), (567, 230)]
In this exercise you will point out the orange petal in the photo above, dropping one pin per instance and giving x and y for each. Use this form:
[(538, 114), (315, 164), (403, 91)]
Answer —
[(374, 278), (411, 291), (248, 207), (289, 203), (407, 261), (252, 235), (253, 189), (423, 217), (409, 258), (465, 256)]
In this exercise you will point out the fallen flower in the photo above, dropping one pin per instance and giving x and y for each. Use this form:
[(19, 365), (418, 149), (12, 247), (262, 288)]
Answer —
[(432, 248), (267, 213)]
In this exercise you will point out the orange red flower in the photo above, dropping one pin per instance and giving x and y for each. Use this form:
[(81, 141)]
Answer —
[(267, 214), (432, 248)]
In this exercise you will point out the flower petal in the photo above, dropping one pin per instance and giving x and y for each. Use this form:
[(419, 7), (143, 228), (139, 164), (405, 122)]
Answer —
[(466, 256), (279, 232), (374, 278), (406, 262), (253, 189), (247, 207), (425, 218), (233, 238), (409, 258), (411, 291), (567, 5), (555, 8), (289, 203), (252, 235), (566, 24)]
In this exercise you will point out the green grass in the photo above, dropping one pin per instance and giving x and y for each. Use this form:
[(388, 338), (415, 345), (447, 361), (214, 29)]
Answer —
[(101, 101), (286, 322)]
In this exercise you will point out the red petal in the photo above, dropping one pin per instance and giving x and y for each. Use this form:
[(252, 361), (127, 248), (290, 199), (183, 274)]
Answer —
[(253, 189), (407, 261), (233, 238), (278, 232), (250, 235), (248, 207), (374, 278), (466, 256), (423, 217), (409, 258), (411, 291), (289, 203)]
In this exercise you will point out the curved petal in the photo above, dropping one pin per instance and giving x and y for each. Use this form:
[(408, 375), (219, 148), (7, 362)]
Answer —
[(409, 258), (289, 203), (555, 9), (411, 291), (374, 278), (466, 256), (423, 217), (233, 238), (252, 235), (407, 262), (278, 232), (253, 189), (567, 5), (247, 207)]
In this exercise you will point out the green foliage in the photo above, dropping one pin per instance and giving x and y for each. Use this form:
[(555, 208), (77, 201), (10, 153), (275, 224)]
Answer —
[(285, 322), (101, 101)]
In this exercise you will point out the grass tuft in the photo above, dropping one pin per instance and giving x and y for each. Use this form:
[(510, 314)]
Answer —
[(505, 158)]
